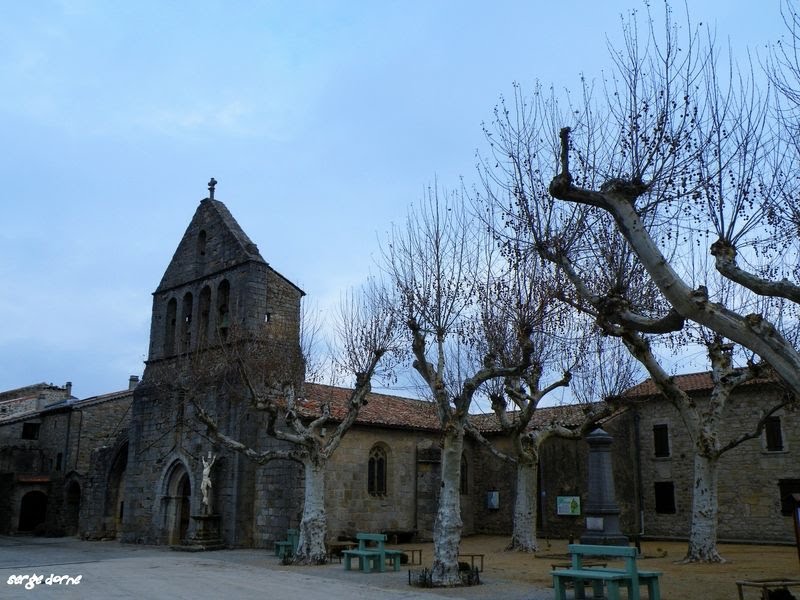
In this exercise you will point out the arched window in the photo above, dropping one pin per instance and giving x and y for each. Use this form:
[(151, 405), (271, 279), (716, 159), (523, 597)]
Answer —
[(464, 484), (169, 327), (223, 316), (186, 322), (205, 311), (376, 474)]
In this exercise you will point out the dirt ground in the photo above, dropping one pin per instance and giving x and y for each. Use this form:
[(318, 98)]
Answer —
[(678, 582)]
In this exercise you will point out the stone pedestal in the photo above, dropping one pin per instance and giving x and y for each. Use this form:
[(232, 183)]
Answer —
[(206, 534), (602, 511)]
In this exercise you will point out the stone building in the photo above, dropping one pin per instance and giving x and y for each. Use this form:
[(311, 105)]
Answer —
[(217, 283), (130, 464), (56, 459), (755, 478)]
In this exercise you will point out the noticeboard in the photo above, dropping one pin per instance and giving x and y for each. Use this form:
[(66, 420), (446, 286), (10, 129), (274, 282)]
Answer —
[(568, 505)]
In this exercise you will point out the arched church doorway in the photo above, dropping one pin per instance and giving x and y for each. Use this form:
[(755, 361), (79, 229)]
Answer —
[(73, 505), (32, 510), (177, 505), (115, 492)]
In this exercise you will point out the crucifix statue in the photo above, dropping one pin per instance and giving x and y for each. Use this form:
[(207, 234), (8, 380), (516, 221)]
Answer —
[(211, 184), (205, 485)]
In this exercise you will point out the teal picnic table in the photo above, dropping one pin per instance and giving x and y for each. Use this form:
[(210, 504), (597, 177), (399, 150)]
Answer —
[(371, 554)]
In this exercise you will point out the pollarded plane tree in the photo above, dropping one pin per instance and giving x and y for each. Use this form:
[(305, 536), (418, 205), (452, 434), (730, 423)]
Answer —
[(678, 148), (561, 346), (270, 376), (665, 172), (707, 420), (435, 264)]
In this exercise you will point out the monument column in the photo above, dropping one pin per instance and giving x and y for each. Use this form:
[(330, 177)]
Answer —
[(602, 511)]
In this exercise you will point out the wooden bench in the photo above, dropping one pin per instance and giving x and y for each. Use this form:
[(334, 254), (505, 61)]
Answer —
[(472, 558), (612, 579), (415, 555), (766, 586), (289, 545), (584, 563), (372, 554), (335, 549)]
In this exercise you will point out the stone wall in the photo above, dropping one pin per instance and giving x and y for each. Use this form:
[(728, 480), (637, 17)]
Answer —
[(749, 475), (351, 508)]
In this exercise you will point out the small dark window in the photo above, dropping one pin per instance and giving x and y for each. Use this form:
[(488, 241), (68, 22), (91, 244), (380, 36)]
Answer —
[(205, 314), (201, 243), (169, 329), (773, 434), (30, 431), (223, 318), (59, 459), (186, 323), (788, 487), (376, 474), (661, 440), (464, 476), (665, 497)]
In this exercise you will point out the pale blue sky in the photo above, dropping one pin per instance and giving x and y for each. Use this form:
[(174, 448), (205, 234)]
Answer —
[(322, 122)]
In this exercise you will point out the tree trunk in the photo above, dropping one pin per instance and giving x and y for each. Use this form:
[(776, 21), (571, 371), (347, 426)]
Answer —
[(703, 535), (523, 537), (448, 525), (313, 526)]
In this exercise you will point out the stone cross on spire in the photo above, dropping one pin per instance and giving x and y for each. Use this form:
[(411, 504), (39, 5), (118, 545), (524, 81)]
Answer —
[(211, 184)]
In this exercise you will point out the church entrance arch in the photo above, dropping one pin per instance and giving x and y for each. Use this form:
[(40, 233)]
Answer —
[(115, 492), (73, 504), (32, 510), (176, 504)]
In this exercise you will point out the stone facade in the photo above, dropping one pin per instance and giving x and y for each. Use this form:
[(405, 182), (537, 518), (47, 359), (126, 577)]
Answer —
[(754, 478), (130, 464), (216, 284), (48, 459)]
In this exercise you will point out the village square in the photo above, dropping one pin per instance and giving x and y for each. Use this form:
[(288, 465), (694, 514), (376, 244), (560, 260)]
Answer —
[(576, 376)]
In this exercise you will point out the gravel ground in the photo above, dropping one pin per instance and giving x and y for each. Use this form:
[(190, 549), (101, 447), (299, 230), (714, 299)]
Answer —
[(110, 570)]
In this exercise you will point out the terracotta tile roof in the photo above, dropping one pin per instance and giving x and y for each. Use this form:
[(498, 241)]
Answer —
[(568, 415), (394, 411), (381, 409), (689, 383)]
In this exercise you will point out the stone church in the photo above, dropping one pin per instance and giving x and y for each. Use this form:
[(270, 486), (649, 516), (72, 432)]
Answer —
[(129, 464)]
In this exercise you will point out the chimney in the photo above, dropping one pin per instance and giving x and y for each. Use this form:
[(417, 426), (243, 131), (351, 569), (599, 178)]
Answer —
[(133, 382), (68, 390), (41, 400)]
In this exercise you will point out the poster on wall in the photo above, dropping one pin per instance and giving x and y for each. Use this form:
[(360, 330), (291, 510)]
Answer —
[(568, 505)]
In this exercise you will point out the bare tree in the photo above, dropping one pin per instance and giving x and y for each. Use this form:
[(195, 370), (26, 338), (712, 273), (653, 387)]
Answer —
[(270, 379), (435, 264), (674, 142), (666, 205), (522, 288)]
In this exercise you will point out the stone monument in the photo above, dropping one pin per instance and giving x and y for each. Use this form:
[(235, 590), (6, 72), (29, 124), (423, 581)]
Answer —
[(602, 511)]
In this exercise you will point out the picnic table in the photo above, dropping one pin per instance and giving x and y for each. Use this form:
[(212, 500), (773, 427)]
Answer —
[(766, 586), (372, 553), (598, 577)]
